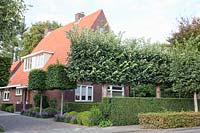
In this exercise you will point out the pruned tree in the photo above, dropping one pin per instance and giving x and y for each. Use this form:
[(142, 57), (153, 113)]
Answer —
[(57, 78), (185, 71), (37, 81), (5, 64)]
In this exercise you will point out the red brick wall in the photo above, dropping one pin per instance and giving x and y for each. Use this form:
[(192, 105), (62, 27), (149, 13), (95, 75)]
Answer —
[(101, 22)]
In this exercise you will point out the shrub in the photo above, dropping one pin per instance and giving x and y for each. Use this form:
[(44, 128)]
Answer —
[(59, 118), (124, 111), (86, 119), (73, 113), (79, 107), (169, 120), (79, 118), (10, 109), (96, 115), (51, 111), (36, 99), (52, 103), (2, 129), (73, 119), (105, 123)]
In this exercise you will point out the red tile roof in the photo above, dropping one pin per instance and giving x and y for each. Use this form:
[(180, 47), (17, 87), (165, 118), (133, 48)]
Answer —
[(14, 65), (55, 42)]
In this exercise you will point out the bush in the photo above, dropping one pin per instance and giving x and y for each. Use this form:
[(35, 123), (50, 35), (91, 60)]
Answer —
[(79, 107), (10, 109), (51, 111), (2, 129), (36, 99), (169, 120), (105, 123), (59, 118), (86, 119), (96, 115), (124, 111), (52, 103)]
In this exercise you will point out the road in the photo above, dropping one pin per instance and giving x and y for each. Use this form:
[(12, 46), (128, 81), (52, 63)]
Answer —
[(15, 123)]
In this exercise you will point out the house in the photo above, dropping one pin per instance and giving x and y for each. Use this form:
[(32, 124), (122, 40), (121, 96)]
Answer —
[(52, 48)]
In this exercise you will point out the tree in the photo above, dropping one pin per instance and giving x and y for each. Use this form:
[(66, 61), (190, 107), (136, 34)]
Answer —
[(186, 30), (5, 64), (37, 81), (34, 35), (11, 25), (57, 79), (185, 71)]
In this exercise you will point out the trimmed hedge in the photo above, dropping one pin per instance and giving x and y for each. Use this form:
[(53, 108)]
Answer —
[(79, 107), (124, 111), (169, 120)]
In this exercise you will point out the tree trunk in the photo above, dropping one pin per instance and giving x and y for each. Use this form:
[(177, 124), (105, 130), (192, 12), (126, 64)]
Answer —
[(41, 104), (104, 90), (158, 93), (61, 104), (195, 102)]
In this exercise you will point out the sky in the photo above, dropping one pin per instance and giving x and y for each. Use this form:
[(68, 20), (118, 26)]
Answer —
[(154, 19)]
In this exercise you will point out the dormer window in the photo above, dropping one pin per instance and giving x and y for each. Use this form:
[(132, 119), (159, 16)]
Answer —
[(36, 60)]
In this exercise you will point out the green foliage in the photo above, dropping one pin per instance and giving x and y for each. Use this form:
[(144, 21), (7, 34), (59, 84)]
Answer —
[(124, 111), (79, 107), (37, 80), (10, 109), (51, 111), (143, 90), (57, 78), (36, 99), (52, 103), (5, 64), (97, 57), (105, 123), (34, 35), (12, 23), (2, 129), (96, 115), (169, 120), (184, 68)]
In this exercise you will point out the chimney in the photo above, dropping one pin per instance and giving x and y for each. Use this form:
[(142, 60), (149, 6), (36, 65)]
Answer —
[(47, 31), (78, 16)]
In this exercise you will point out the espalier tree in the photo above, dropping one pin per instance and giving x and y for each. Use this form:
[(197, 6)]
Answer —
[(185, 70), (57, 78), (99, 57), (36, 81)]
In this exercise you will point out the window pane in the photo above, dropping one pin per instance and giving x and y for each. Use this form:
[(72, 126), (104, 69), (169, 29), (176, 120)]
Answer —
[(116, 93), (83, 93), (117, 88), (90, 93), (77, 93)]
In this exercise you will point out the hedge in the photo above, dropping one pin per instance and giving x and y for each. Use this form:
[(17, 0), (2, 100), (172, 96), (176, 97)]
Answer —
[(169, 120), (78, 107), (124, 111)]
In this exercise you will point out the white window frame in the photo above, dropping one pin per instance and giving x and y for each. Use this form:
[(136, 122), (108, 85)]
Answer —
[(18, 92), (111, 90), (7, 97), (80, 94)]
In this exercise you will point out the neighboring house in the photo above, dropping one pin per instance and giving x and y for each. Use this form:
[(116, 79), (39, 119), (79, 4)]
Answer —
[(51, 49)]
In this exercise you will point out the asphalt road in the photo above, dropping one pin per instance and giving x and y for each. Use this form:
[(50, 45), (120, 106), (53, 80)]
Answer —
[(16, 123)]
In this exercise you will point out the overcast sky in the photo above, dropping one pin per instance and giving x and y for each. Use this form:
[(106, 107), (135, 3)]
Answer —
[(154, 19)]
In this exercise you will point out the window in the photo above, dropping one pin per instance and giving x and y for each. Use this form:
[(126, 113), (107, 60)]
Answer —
[(18, 92), (36, 61), (115, 91), (84, 93), (6, 95)]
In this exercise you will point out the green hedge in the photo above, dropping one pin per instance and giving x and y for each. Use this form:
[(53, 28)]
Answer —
[(169, 120), (124, 111), (79, 107)]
